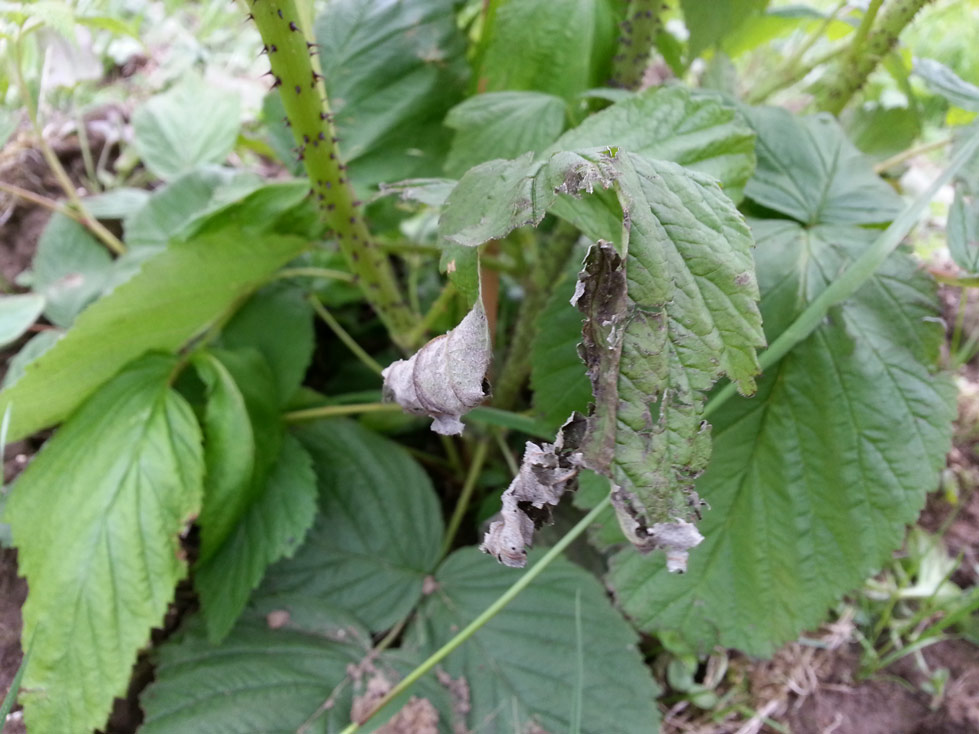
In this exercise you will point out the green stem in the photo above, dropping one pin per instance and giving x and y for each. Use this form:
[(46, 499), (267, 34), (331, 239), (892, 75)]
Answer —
[(850, 73), (348, 340), (899, 158), (87, 220), (846, 284), (334, 411), (475, 467), (327, 273), (282, 25), (866, 23), (491, 611)]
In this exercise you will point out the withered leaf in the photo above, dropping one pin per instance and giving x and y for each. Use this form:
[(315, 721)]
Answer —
[(445, 378), (546, 473)]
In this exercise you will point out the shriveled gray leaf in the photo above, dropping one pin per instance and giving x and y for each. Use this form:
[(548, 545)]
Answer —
[(444, 379), (546, 473)]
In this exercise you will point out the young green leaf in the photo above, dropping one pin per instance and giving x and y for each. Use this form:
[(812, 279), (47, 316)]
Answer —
[(175, 296), (502, 125), (530, 661), (698, 130), (272, 526), (70, 269), (242, 438), (96, 518), (278, 322), (942, 80), (379, 530), (709, 23), (170, 208), (173, 137), (17, 314)]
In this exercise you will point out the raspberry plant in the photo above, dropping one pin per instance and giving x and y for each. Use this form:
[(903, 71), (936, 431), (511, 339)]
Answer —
[(696, 310)]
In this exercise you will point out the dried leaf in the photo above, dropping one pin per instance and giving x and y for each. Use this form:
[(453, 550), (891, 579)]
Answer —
[(546, 473), (445, 378)]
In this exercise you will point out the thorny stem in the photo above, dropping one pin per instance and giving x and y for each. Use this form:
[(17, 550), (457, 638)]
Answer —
[(640, 28), (349, 341), (475, 467), (281, 26), (860, 270), (491, 611), (83, 217), (866, 52)]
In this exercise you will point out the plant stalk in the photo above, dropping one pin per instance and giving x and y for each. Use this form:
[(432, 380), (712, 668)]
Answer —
[(349, 341), (860, 270), (640, 28), (282, 25), (87, 220), (475, 467), (867, 50), (491, 611), (334, 411)]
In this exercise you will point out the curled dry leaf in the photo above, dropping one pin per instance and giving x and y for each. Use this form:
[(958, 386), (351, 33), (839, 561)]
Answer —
[(446, 377), (546, 473)]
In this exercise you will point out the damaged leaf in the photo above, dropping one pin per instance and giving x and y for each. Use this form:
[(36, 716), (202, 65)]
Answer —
[(546, 473), (445, 378), (662, 325)]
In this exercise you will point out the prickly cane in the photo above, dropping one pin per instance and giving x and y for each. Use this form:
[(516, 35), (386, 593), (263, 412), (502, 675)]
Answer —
[(834, 91), (639, 30), (307, 113)]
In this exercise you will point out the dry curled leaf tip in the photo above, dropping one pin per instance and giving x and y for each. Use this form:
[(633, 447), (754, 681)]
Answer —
[(446, 378)]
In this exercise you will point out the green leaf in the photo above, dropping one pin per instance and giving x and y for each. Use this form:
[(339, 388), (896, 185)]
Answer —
[(882, 131), (177, 294), (696, 130), (38, 345), (283, 207), (17, 314), (96, 518), (541, 653), (502, 125), (70, 269), (272, 526), (808, 170), (557, 374), (171, 208), (173, 134), (279, 665), (278, 322), (963, 229), (392, 71), (810, 485), (710, 23), (243, 435), (560, 47), (943, 81), (117, 203), (380, 527)]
